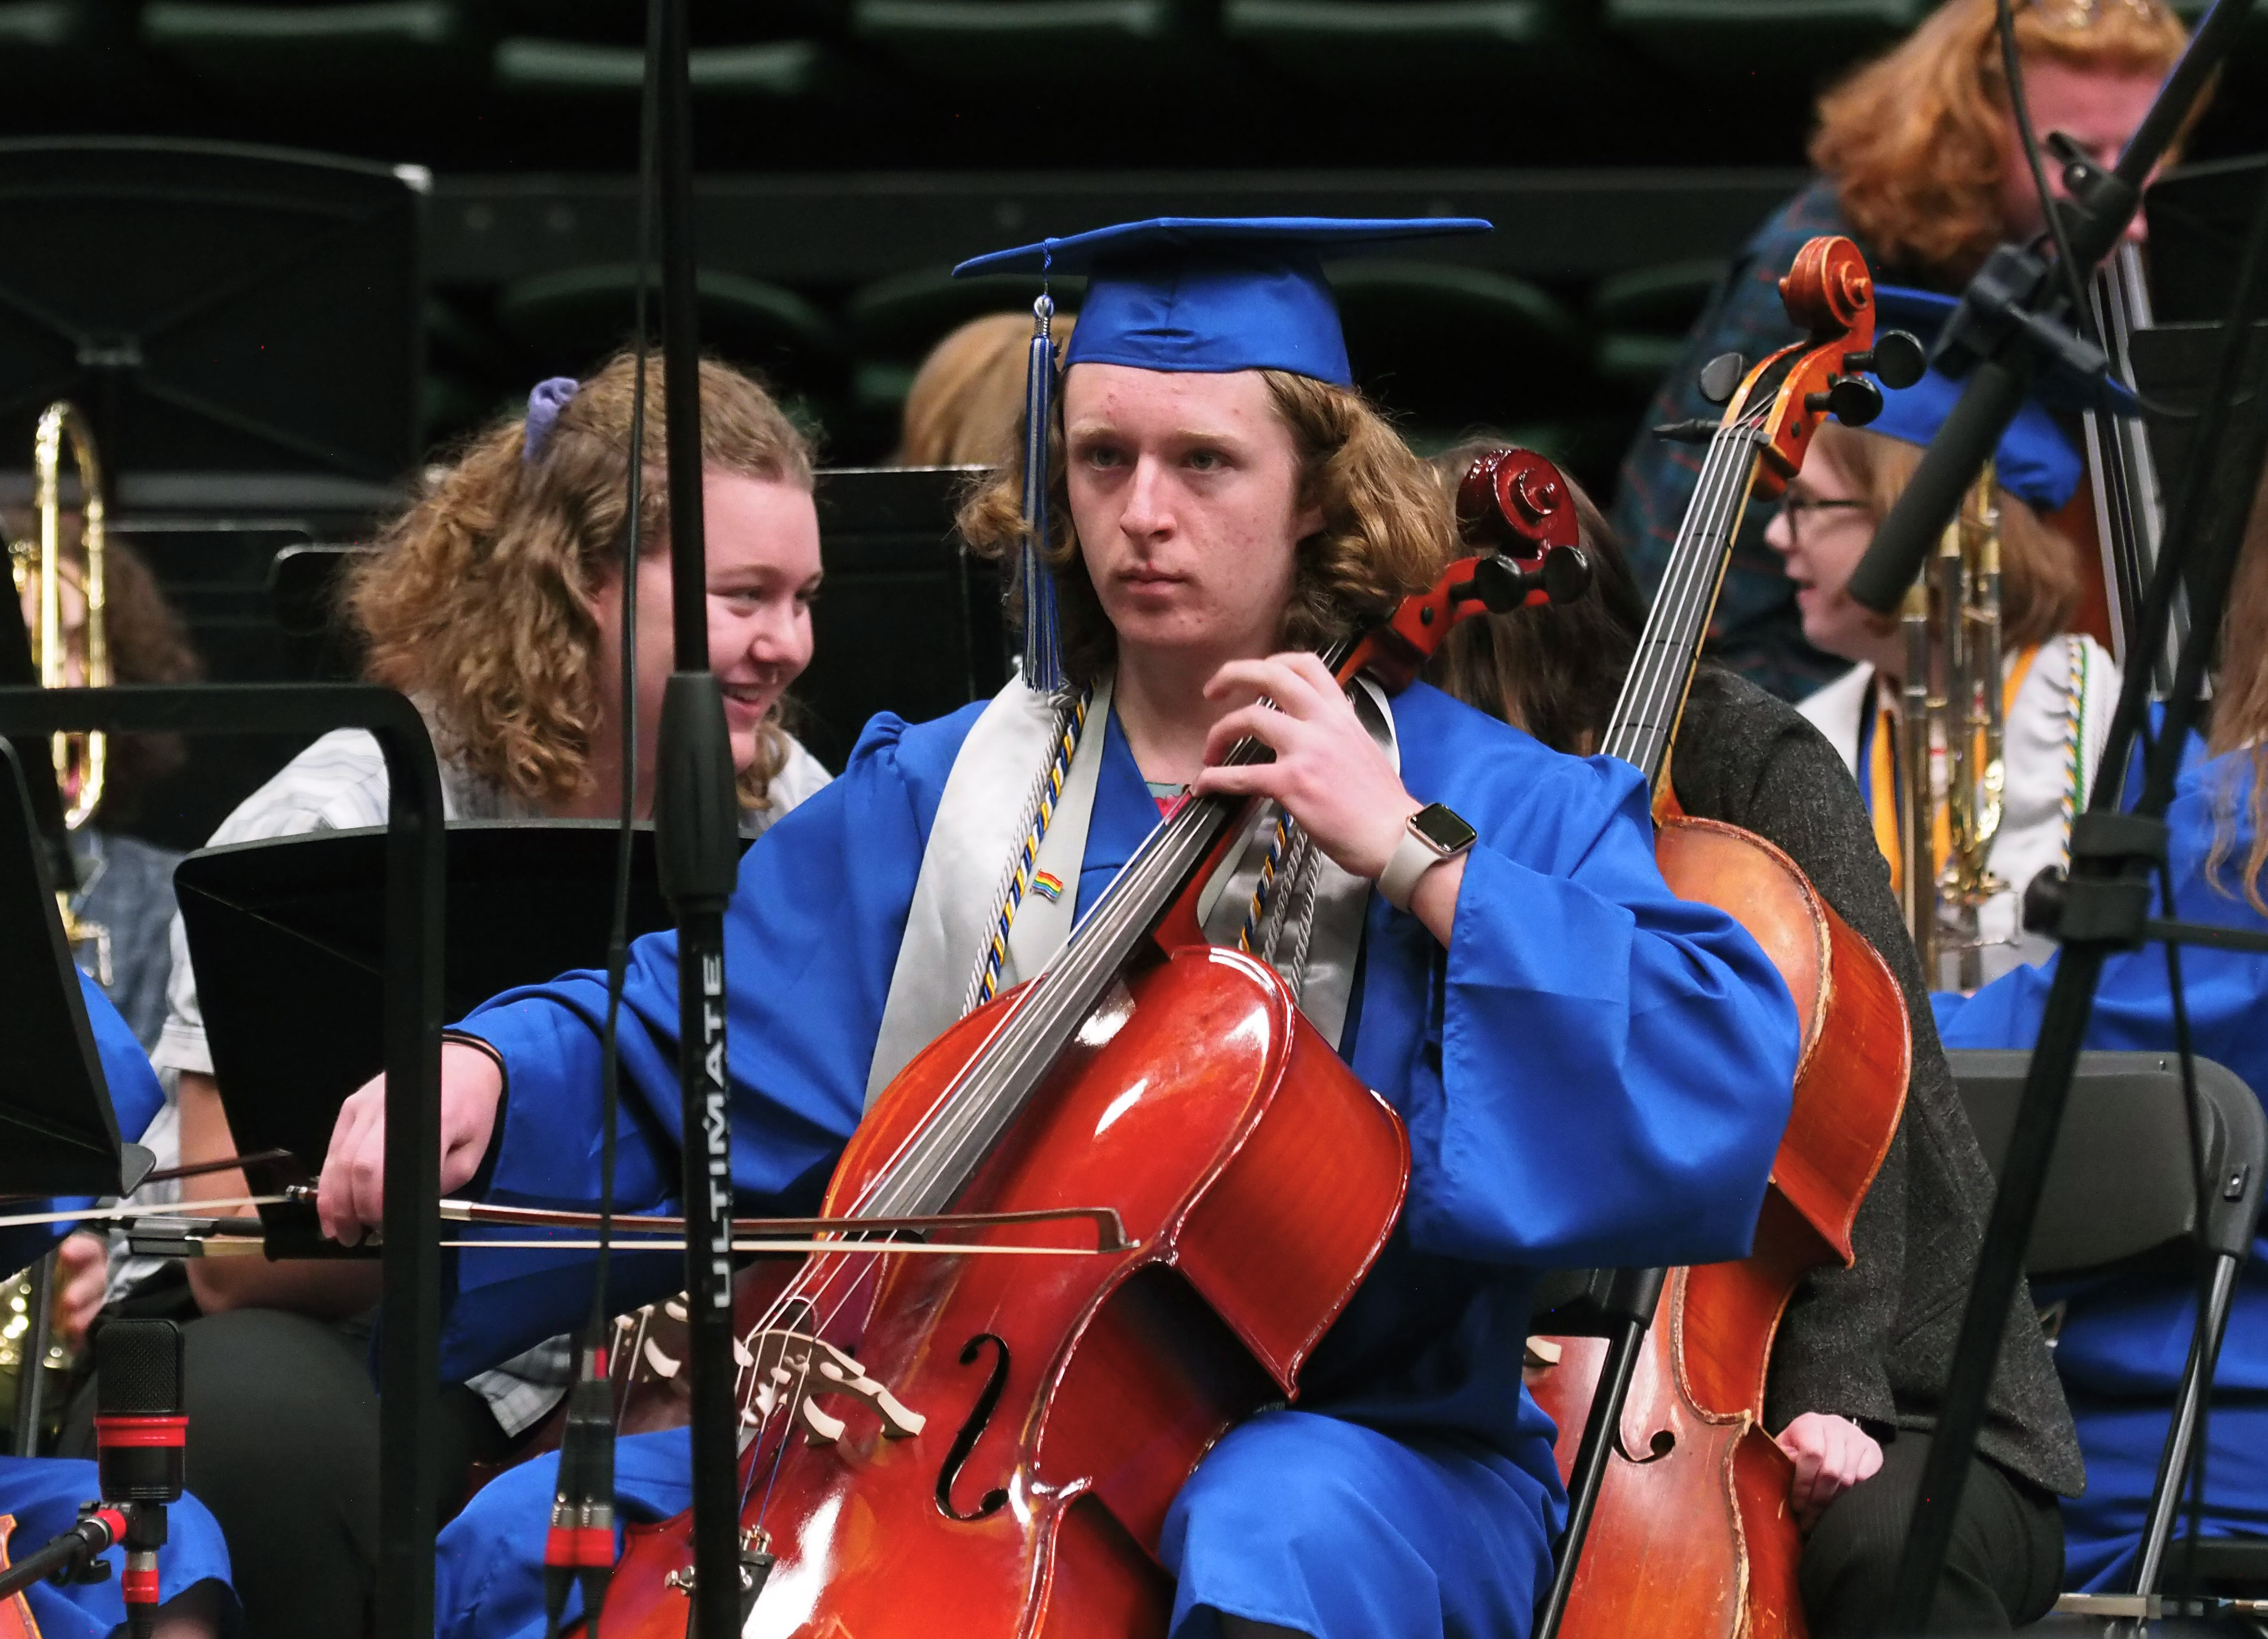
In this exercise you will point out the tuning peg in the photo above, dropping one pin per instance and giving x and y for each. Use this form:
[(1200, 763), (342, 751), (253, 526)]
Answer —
[(1851, 400), (1694, 432), (1563, 576), (1721, 377), (1896, 359)]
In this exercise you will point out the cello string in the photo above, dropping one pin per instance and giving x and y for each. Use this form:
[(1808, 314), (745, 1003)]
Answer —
[(1711, 534), (1671, 609), (1683, 594), (1725, 480), (1171, 852)]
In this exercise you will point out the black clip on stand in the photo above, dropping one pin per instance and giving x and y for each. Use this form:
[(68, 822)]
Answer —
[(2013, 320), (697, 856)]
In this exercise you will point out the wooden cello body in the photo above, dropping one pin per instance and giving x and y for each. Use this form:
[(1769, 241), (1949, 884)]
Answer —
[(1693, 1537), (1064, 1400), (987, 1446)]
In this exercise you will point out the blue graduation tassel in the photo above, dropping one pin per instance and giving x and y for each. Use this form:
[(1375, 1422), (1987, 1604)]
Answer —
[(1043, 669)]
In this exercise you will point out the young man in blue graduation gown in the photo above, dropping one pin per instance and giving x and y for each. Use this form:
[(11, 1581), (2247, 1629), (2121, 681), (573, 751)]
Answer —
[(2123, 1342), (39, 1495), (1592, 1071)]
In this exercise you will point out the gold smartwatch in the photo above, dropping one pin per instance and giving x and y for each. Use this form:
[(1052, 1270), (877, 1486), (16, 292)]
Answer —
[(1434, 833)]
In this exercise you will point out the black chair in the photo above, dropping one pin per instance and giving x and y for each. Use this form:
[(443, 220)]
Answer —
[(2122, 1194)]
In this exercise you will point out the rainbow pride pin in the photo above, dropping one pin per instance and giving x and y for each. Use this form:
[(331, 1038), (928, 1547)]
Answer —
[(1047, 885)]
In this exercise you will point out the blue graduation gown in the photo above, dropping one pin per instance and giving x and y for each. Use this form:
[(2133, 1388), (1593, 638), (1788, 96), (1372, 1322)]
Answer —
[(42, 1495), (1594, 1072), (135, 1098), (2123, 1342)]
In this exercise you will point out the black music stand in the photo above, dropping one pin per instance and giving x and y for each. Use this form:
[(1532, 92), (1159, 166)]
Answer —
[(289, 940), (911, 621), (204, 302), (2198, 215), (58, 1134)]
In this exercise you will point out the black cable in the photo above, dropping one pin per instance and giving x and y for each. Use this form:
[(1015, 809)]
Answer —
[(2012, 70), (583, 1521), (632, 549)]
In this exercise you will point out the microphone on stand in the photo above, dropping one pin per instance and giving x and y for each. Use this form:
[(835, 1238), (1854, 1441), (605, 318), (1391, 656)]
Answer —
[(139, 1432)]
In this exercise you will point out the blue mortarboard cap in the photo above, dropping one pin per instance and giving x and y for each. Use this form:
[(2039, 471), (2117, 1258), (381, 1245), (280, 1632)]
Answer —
[(2035, 461), (1925, 313), (1211, 294)]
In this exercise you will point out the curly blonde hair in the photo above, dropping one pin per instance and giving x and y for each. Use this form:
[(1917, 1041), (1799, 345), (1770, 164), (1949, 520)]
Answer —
[(476, 601), (1386, 528), (1915, 139)]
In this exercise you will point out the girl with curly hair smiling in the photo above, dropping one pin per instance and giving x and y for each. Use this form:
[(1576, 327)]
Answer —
[(1590, 1070), (493, 602)]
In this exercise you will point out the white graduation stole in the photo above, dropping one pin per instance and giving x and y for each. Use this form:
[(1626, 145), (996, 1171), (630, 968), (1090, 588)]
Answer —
[(978, 831)]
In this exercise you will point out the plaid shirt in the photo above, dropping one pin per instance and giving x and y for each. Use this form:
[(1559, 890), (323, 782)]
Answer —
[(1755, 630)]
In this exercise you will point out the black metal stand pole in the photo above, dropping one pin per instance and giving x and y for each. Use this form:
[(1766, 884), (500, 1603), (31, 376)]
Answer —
[(1630, 1303), (697, 820), (2105, 908), (409, 1359)]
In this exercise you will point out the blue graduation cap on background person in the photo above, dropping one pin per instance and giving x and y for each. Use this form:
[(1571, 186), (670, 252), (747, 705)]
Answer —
[(1202, 295), (2035, 460)]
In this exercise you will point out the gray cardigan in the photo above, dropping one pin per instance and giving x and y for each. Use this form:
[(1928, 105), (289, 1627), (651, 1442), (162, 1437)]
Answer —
[(1873, 1342)]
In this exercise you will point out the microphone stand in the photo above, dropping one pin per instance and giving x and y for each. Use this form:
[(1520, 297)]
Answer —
[(2012, 320), (696, 816), (2007, 321)]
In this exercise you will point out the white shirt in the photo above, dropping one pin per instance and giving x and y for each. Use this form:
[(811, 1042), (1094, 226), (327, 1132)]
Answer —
[(338, 784), (2051, 744)]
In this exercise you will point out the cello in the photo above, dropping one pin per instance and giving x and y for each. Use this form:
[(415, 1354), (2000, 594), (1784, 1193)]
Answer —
[(1689, 1530), (1021, 1425)]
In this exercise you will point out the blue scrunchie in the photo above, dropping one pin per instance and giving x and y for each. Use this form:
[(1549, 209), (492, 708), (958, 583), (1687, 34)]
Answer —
[(544, 404)]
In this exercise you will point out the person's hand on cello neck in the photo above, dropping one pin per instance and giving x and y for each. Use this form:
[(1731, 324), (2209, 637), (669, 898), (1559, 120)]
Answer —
[(352, 1196)]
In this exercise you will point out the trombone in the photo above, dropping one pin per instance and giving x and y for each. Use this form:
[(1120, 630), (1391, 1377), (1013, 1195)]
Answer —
[(39, 569)]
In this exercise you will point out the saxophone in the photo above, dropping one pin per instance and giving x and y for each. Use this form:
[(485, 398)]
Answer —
[(1952, 765)]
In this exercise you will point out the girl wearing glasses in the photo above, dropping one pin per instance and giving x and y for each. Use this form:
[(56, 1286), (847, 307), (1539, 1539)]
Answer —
[(1917, 159), (2058, 686)]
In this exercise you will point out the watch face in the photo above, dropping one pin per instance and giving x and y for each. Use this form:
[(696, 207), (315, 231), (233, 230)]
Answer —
[(1439, 825)]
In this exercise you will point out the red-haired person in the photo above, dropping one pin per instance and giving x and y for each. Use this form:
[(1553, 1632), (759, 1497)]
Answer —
[(1918, 161)]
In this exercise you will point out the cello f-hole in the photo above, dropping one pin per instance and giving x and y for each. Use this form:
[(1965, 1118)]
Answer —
[(965, 1442), (1658, 1445)]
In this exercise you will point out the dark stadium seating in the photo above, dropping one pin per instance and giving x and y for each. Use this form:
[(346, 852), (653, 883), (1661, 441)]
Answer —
[(1641, 319), (308, 51), (1783, 40), (1352, 43), (564, 323), (989, 42)]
